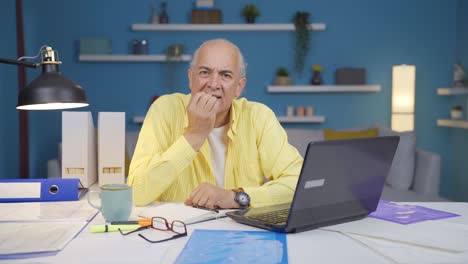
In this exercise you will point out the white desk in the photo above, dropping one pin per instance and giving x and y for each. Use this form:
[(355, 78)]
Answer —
[(318, 246)]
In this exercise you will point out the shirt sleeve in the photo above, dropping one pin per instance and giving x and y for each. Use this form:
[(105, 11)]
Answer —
[(159, 155), (280, 162)]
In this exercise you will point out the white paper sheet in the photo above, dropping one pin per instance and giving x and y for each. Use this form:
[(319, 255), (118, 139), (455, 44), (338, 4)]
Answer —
[(430, 234), (405, 253), (50, 211), (28, 239)]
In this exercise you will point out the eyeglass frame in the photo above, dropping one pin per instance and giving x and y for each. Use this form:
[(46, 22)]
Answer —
[(168, 228)]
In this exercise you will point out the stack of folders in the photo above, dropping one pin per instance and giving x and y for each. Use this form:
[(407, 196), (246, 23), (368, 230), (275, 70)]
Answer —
[(40, 229)]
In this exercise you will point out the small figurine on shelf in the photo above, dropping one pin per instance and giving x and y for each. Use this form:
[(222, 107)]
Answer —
[(144, 46), (316, 77), (300, 111), (163, 18), (154, 16), (459, 77), (309, 111), (290, 110), (457, 112)]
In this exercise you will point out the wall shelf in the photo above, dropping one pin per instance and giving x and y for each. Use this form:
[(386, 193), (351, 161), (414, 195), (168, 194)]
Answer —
[(452, 91), (222, 27), (282, 119), (138, 119), (453, 123), (323, 88), (301, 119), (133, 58)]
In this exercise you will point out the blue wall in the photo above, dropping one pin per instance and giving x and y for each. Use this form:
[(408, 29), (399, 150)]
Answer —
[(459, 137), (9, 144), (362, 33)]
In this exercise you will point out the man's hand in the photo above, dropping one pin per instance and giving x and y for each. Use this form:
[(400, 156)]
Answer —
[(210, 196), (201, 112)]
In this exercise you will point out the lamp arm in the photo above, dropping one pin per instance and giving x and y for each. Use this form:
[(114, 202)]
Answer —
[(22, 63)]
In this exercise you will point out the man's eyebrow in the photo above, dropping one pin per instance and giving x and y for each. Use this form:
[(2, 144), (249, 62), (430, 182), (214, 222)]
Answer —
[(204, 68), (226, 71)]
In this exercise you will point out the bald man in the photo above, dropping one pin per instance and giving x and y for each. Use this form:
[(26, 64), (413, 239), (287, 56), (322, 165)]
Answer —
[(209, 148)]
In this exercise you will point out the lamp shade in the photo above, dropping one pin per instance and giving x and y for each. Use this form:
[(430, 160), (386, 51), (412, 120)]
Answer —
[(403, 91), (51, 91)]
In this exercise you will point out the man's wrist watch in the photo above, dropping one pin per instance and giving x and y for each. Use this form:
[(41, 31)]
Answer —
[(241, 198)]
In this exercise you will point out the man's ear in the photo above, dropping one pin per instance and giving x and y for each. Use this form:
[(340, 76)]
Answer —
[(240, 86)]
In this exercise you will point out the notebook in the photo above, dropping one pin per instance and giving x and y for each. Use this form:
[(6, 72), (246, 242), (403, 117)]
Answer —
[(340, 181), (179, 211)]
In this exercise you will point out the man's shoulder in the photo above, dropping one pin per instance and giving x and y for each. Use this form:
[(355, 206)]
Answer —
[(174, 100), (252, 107)]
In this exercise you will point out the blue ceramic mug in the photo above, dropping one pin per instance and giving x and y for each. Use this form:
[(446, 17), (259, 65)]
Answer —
[(116, 201)]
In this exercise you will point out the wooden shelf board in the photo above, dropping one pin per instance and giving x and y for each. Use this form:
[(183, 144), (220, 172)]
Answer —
[(323, 88), (453, 123), (133, 58), (301, 119), (222, 27)]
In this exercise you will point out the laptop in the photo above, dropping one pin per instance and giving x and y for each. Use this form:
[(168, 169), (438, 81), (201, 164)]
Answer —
[(340, 181)]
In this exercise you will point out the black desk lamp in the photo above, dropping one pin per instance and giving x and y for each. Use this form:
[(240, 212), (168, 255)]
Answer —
[(51, 90)]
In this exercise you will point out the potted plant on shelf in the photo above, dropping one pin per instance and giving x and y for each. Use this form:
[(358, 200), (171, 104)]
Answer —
[(457, 112), (282, 77), (250, 12), (301, 25)]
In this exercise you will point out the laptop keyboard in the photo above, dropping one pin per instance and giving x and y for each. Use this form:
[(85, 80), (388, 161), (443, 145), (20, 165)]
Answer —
[(274, 217)]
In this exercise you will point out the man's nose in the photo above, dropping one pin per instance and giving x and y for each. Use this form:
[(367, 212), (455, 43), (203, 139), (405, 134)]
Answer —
[(214, 81)]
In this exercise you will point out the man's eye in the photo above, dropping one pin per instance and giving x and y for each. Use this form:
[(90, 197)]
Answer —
[(203, 73), (227, 76)]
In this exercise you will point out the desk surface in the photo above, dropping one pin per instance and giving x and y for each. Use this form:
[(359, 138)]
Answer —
[(320, 245)]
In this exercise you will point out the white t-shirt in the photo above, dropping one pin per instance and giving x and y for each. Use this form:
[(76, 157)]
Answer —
[(217, 140)]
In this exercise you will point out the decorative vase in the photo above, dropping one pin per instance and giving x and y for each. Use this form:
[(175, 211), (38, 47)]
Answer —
[(316, 78), (282, 80), (250, 19), (163, 18), (456, 114)]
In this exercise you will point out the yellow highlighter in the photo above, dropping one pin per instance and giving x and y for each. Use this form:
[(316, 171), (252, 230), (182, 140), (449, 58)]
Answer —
[(112, 228)]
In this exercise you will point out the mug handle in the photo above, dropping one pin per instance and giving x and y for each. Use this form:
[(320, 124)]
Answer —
[(91, 203)]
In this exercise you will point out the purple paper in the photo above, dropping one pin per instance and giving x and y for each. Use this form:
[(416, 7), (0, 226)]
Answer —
[(407, 214)]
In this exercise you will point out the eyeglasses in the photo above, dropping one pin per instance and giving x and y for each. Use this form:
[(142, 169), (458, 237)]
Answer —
[(161, 223)]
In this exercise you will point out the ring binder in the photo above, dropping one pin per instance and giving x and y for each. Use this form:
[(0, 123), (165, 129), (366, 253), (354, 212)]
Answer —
[(40, 190)]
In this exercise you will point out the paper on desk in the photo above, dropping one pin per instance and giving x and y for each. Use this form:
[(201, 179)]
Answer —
[(49, 211), (32, 239), (234, 246), (179, 211), (431, 234), (405, 253), (407, 213)]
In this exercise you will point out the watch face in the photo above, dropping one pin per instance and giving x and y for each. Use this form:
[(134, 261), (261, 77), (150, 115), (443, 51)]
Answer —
[(242, 198)]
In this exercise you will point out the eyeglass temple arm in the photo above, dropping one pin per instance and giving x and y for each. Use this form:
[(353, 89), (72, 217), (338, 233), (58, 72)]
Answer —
[(21, 63), (164, 240), (133, 231)]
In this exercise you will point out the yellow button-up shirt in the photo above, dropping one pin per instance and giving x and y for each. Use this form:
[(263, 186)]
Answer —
[(259, 158)]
